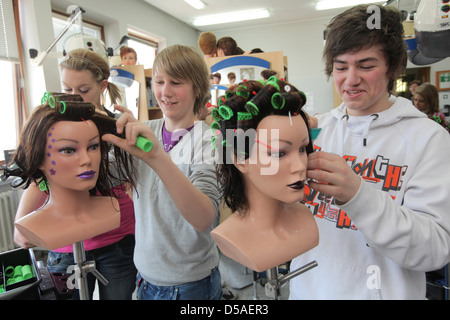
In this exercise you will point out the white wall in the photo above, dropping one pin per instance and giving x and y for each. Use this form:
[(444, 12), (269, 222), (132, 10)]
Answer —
[(302, 43), (115, 15)]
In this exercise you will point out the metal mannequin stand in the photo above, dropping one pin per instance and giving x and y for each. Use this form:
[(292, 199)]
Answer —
[(272, 287), (84, 268)]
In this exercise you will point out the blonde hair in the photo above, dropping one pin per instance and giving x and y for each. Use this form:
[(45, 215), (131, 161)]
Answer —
[(83, 59), (185, 63)]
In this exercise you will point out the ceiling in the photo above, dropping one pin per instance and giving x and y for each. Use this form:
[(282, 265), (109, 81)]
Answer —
[(281, 10)]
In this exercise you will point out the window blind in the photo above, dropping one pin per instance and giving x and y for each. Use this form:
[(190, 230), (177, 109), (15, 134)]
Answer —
[(8, 41)]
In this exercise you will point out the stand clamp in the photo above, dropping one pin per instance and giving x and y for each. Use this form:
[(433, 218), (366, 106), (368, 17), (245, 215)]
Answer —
[(272, 287), (85, 267)]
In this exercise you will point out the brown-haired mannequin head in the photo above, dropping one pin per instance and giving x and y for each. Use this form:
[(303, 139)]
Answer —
[(128, 56), (61, 150), (263, 139), (207, 44)]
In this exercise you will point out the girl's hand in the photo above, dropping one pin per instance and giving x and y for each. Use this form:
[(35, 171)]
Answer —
[(133, 128)]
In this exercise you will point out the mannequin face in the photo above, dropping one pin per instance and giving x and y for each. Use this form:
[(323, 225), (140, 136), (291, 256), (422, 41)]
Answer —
[(277, 164), (129, 59), (73, 155)]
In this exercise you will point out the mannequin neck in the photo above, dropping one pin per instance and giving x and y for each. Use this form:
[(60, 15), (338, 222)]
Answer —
[(69, 200), (264, 212)]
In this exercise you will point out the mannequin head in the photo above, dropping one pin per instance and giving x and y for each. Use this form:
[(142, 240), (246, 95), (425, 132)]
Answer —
[(128, 56), (45, 138), (73, 155), (260, 127), (207, 43)]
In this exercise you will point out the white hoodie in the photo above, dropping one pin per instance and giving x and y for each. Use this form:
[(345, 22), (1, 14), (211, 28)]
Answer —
[(380, 243)]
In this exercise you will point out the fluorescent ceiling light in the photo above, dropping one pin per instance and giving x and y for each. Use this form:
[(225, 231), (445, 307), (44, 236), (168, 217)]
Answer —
[(197, 4), (333, 4), (231, 17)]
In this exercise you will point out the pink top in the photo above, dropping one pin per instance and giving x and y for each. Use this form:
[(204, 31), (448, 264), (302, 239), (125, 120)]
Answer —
[(126, 225)]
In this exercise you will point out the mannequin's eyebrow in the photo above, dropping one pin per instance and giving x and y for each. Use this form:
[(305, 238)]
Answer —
[(75, 141), (305, 139)]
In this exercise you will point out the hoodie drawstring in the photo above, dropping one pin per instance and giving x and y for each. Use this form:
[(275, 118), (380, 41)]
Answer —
[(344, 119), (365, 132)]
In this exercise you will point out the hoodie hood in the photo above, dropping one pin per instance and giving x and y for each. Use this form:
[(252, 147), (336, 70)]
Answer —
[(363, 125), (401, 108)]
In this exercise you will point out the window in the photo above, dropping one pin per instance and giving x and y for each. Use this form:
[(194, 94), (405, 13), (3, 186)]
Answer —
[(145, 47), (9, 64), (8, 128)]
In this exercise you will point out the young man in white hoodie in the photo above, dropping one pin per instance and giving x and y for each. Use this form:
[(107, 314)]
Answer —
[(380, 180)]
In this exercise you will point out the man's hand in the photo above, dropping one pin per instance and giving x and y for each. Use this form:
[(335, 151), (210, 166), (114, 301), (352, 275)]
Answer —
[(330, 174)]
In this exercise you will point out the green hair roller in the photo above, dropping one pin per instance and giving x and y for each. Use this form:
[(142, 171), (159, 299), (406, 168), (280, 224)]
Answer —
[(43, 185), (225, 112), (243, 93), (213, 143), (228, 95), (244, 116), (274, 82), (215, 126), (144, 144), (215, 114), (277, 101), (252, 108), (52, 100), (63, 106), (44, 98)]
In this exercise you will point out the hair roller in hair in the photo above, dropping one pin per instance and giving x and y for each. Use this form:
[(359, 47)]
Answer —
[(243, 92), (215, 114), (55, 98), (252, 108), (244, 116), (226, 112), (273, 81), (214, 127), (277, 101)]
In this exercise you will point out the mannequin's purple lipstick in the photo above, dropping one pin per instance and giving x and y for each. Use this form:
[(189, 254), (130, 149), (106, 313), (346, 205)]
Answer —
[(87, 175)]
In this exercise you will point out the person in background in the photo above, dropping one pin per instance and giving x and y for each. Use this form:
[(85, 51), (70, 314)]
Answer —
[(207, 44), (267, 73), (227, 46), (177, 197), (413, 86), (216, 78), (254, 50), (128, 56), (231, 77), (426, 99), (86, 73), (379, 180)]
